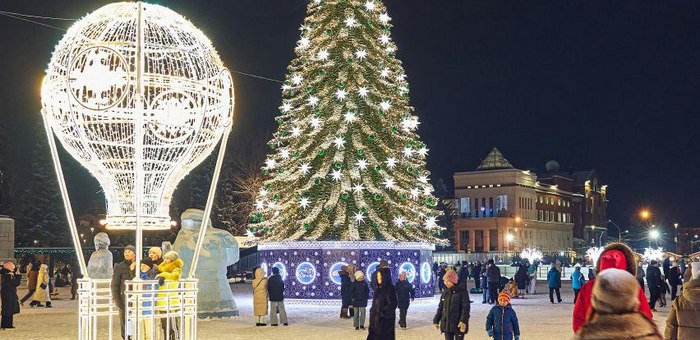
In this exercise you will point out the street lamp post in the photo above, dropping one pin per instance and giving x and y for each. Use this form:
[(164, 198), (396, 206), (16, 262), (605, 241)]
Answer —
[(619, 231), (675, 237)]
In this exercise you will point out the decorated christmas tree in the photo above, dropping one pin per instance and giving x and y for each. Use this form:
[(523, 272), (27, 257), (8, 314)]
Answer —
[(347, 163)]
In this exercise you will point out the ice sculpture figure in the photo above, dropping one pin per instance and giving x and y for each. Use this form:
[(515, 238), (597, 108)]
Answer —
[(101, 261), (220, 249)]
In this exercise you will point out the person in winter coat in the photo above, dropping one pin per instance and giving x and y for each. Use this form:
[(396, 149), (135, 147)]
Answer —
[(259, 297), (521, 278), (484, 282), (275, 291), (169, 272), (674, 279), (614, 310), (577, 280), (10, 279), (440, 274), (404, 295), (554, 283), (654, 281), (615, 255), (476, 274), (493, 276), (640, 275), (32, 274), (359, 292), (532, 275), (502, 323), (42, 291), (683, 321), (75, 275), (122, 272), (148, 271), (373, 282), (382, 315), (452, 316), (156, 255), (345, 298)]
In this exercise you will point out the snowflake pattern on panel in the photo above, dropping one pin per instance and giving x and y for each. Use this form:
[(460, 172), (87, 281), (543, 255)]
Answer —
[(347, 163)]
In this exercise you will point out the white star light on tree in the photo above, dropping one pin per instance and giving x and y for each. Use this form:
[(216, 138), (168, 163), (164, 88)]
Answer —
[(304, 42), (363, 91), (399, 221), (272, 204), (315, 122), (361, 54), (389, 183), (427, 190), (423, 179), (336, 174), (359, 217), (384, 73), (384, 39), (385, 105), (249, 233), (350, 21), (384, 18), (286, 87), (263, 192), (313, 100), (431, 222), (340, 94), (400, 77), (297, 79), (259, 204), (304, 202), (349, 117), (358, 188), (391, 162), (361, 164), (415, 192), (339, 142), (409, 124), (270, 163), (370, 6), (323, 55), (390, 49), (423, 151), (304, 168), (286, 107), (284, 153), (407, 152), (296, 131)]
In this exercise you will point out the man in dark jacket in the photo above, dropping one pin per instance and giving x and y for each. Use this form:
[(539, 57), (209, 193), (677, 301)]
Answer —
[(123, 271), (275, 290), (654, 282), (493, 275), (10, 302), (674, 279), (404, 295), (345, 297), (452, 316), (476, 273), (359, 293), (373, 282), (382, 314)]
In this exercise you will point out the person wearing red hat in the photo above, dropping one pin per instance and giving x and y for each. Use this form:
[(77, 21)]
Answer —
[(615, 255)]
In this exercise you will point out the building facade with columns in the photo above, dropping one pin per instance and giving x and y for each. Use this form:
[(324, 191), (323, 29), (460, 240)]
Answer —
[(501, 208)]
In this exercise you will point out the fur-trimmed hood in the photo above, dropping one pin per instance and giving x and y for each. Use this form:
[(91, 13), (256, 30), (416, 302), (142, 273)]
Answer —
[(626, 251), (619, 326)]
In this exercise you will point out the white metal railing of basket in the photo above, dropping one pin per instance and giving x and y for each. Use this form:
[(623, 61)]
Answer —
[(94, 302), (161, 312)]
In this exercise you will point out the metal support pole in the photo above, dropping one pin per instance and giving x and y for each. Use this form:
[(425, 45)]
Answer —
[(210, 201), (66, 200)]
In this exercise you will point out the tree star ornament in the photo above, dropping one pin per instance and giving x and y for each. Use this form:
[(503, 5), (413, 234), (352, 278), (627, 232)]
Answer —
[(362, 91), (304, 168), (339, 142), (350, 21), (384, 18), (362, 164), (361, 54), (399, 221), (304, 202), (370, 6), (297, 79), (349, 117), (391, 162), (336, 174), (313, 100), (323, 55), (358, 188), (340, 94), (359, 217), (315, 122)]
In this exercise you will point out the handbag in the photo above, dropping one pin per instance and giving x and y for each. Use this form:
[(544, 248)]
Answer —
[(43, 286)]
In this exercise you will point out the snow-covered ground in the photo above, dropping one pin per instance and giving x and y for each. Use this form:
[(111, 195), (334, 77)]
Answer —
[(539, 319)]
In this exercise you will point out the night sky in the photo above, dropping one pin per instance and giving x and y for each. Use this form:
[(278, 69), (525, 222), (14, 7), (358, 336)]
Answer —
[(610, 85)]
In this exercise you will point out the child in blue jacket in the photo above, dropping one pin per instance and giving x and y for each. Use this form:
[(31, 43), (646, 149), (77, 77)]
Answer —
[(502, 323)]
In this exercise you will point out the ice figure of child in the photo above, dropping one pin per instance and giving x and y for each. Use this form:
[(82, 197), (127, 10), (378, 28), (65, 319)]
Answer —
[(220, 249), (101, 263)]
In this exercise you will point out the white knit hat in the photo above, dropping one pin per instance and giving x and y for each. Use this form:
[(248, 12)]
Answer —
[(614, 292), (695, 267)]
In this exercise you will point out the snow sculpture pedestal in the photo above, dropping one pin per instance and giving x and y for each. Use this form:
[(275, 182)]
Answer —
[(309, 269)]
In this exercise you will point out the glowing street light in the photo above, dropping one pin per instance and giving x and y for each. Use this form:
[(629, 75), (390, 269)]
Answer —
[(654, 234), (645, 214)]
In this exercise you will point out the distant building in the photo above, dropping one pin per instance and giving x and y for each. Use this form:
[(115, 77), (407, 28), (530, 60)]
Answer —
[(688, 241), (501, 208)]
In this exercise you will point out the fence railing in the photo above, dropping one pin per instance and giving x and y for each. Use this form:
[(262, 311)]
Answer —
[(94, 306), (167, 311)]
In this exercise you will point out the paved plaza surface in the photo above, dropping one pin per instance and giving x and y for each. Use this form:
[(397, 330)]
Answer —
[(539, 319)]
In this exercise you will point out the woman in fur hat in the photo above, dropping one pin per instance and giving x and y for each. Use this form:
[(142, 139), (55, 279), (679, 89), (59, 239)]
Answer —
[(614, 310)]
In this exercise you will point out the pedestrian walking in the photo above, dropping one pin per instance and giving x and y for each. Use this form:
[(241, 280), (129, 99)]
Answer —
[(373, 282), (577, 280), (359, 291), (10, 279), (476, 274), (345, 298), (43, 289), (554, 282), (502, 322), (32, 274), (615, 255), (521, 278), (655, 282), (493, 276), (259, 297), (683, 321), (452, 316), (674, 279), (382, 315), (640, 275), (275, 291), (404, 295), (614, 310), (484, 282), (122, 272)]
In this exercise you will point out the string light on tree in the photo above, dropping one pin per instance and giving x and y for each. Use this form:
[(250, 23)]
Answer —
[(361, 54), (370, 6), (304, 168), (362, 91)]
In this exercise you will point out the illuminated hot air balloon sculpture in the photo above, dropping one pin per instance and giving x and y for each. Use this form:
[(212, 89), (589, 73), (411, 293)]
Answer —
[(139, 96)]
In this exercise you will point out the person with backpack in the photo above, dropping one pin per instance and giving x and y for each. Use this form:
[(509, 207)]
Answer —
[(577, 280)]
